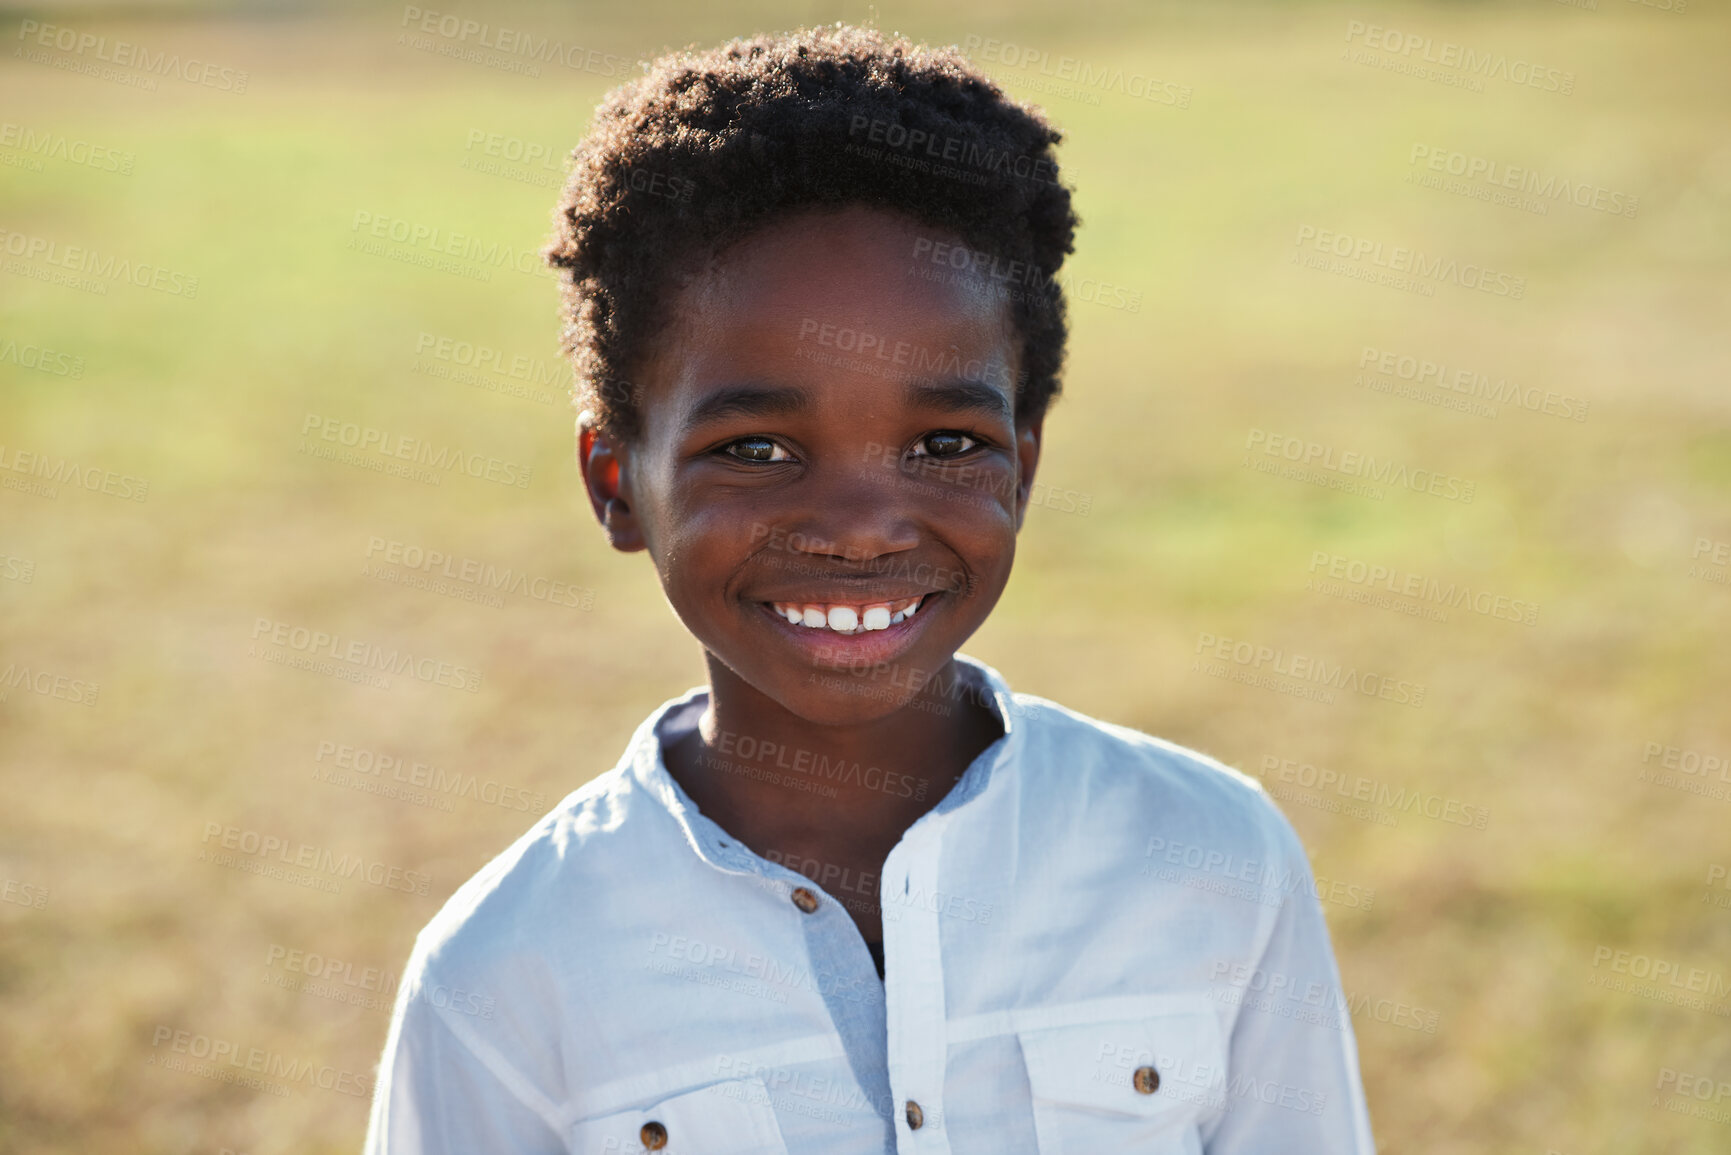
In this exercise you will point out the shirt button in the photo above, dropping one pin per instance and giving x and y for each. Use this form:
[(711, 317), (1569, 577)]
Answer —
[(916, 1117), (804, 899), (654, 1136), (1146, 1080)]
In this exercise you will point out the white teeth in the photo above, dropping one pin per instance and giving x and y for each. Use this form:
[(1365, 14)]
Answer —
[(846, 619)]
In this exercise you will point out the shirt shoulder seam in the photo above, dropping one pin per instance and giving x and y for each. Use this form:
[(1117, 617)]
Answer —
[(1129, 735)]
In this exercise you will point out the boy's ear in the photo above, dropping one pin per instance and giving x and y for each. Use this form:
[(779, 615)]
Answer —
[(1027, 461), (608, 486)]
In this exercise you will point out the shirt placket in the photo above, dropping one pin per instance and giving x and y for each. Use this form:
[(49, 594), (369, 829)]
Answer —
[(914, 989), (841, 971)]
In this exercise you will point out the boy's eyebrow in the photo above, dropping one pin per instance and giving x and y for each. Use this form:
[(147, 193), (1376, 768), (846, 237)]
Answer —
[(959, 397), (745, 401)]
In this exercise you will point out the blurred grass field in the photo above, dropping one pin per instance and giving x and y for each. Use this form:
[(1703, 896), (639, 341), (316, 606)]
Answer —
[(114, 929)]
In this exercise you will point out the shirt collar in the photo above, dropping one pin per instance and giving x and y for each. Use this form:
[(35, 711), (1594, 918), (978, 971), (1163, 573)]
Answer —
[(721, 850)]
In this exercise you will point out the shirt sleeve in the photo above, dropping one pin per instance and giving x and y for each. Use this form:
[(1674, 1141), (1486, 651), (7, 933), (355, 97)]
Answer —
[(1292, 1078), (440, 1094)]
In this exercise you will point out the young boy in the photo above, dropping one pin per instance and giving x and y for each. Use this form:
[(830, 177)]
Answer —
[(854, 895)]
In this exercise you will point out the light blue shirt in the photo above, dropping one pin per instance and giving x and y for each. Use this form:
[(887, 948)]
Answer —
[(1096, 941)]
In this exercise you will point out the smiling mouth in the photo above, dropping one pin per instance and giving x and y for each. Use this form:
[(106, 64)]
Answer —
[(848, 617)]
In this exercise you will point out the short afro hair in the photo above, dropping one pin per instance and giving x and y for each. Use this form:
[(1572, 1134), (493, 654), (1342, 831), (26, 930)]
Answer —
[(707, 147)]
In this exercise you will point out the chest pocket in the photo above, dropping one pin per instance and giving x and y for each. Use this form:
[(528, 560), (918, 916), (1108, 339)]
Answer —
[(1126, 1084), (730, 1118)]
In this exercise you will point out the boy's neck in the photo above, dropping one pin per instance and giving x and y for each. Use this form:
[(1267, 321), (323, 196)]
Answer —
[(779, 782)]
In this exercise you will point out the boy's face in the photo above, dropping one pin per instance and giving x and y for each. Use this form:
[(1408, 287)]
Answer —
[(828, 434)]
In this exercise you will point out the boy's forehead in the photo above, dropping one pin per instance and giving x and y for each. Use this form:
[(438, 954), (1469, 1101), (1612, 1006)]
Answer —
[(855, 294), (851, 261)]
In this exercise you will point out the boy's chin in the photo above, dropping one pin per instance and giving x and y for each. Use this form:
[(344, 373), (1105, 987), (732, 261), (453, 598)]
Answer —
[(844, 700), (838, 697)]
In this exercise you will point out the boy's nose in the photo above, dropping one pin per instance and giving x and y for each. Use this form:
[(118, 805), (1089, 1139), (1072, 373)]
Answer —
[(856, 515)]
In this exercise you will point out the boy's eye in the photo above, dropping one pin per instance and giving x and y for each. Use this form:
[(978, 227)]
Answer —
[(756, 449), (945, 443)]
